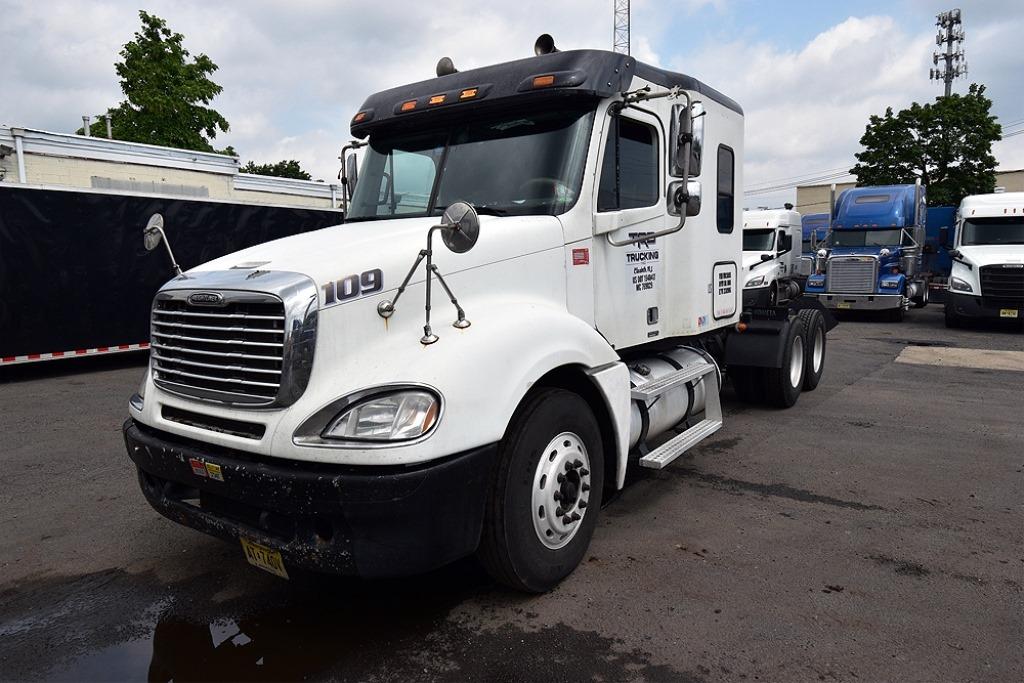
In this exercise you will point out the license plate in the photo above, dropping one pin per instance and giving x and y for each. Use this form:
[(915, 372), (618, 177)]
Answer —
[(845, 305), (1008, 313), (263, 557)]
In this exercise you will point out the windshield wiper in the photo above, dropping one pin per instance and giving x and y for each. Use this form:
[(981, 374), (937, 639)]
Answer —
[(480, 209)]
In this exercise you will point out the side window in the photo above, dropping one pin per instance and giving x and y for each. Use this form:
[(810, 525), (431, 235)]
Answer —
[(780, 243), (726, 188), (629, 172)]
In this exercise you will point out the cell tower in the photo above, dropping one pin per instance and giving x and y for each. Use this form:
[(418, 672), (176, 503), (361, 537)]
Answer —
[(620, 34), (951, 34)]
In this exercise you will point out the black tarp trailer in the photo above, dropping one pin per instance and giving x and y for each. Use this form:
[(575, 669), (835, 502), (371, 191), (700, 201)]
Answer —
[(75, 279)]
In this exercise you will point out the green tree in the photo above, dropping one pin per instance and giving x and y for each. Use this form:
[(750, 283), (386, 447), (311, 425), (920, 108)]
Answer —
[(949, 142), (166, 91), (282, 169)]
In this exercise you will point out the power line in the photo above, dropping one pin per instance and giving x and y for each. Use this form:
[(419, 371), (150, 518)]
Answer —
[(810, 175), (788, 186)]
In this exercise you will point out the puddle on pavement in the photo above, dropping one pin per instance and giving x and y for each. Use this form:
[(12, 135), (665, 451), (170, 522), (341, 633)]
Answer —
[(117, 626)]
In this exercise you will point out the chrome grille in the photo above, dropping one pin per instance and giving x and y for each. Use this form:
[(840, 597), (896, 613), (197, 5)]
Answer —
[(855, 275), (233, 351)]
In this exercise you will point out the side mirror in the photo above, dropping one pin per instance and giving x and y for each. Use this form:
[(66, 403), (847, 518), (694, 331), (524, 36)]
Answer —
[(351, 173), (153, 233), (696, 146), (676, 197), (767, 257), (461, 227), (955, 253)]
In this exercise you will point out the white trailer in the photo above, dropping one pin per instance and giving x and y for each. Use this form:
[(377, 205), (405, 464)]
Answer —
[(772, 251), (365, 400), (987, 277)]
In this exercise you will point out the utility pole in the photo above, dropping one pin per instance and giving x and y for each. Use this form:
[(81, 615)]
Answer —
[(620, 34), (951, 34)]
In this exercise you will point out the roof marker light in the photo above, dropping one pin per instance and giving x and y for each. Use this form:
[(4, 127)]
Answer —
[(359, 117), (543, 81), (467, 93), (436, 99), (409, 106)]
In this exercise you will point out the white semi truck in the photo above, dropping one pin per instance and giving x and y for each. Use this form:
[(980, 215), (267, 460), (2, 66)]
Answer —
[(987, 277), (772, 250), (362, 399)]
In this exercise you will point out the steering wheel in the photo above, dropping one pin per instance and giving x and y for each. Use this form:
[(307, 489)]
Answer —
[(543, 188)]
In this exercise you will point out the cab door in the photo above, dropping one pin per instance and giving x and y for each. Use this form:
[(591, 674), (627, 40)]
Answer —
[(629, 203)]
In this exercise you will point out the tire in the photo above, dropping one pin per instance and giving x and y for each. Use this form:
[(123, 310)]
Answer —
[(782, 385), (953, 321), (922, 300), (748, 383), (532, 453), (814, 351)]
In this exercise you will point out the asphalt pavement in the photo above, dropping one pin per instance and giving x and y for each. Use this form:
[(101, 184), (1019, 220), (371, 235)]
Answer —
[(874, 532)]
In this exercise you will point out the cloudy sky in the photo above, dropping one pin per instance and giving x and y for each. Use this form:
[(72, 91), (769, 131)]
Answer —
[(808, 73)]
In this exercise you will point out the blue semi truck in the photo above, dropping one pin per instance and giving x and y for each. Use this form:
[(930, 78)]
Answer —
[(872, 259), (815, 230)]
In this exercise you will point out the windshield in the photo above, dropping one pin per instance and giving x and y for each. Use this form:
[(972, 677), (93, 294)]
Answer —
[(758, 240), (867, 238), (516, 164), (993, 231)]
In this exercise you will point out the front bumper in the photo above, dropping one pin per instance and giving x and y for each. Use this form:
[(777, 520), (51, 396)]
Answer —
[(969, 306), (859, 302), (755, 297), (368, 521)]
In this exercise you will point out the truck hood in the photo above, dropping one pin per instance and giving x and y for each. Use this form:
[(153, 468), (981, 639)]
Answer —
[(989, 254), (352, 249), (753, 258)]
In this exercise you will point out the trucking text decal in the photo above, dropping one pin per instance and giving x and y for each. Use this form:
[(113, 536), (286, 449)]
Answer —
[(642, 259)]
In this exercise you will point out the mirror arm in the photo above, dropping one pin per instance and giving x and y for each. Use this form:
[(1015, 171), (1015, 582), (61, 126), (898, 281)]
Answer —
[(686, 139), (170, 254)]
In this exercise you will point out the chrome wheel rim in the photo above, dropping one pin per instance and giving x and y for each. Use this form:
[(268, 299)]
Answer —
[(561, 490), (796, 362), (818, 353)]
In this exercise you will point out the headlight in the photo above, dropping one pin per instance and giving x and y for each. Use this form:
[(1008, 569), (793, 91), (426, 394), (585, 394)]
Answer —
[(397, 416), (959, 285), (822, 253), (816, 280), (889, 284), (756, 281)]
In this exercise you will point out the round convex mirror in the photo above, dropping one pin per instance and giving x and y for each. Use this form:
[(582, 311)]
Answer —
[(152, 234), (462, 227)]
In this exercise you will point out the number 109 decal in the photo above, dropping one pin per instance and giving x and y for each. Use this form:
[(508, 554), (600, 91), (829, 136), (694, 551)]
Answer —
[(352, 286)]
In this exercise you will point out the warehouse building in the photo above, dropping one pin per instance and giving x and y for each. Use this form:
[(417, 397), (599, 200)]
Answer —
[(63, 160), (815, 198)]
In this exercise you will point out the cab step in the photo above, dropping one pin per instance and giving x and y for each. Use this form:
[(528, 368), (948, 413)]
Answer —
[(670, 450)]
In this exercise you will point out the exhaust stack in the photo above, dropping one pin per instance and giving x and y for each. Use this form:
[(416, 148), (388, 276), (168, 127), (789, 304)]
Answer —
[(544, 45)]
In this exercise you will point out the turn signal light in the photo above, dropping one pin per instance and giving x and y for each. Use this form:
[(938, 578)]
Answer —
[(543, 81)]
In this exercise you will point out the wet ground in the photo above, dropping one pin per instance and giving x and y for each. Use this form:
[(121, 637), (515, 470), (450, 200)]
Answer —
[(873, 532)]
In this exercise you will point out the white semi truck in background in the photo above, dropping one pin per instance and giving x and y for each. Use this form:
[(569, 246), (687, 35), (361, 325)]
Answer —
[(987, 275), (772, 251), (364, 400)]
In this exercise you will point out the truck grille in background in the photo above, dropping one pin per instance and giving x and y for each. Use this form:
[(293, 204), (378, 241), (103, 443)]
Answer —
[(1003, 284), (231, 352), (852, 275)]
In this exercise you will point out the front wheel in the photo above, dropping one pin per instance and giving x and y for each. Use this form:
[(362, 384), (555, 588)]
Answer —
[(953, 321), (546, 493)]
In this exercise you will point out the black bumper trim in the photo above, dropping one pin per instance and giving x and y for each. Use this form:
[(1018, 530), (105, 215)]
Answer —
[(372, 521), (969, 306)]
